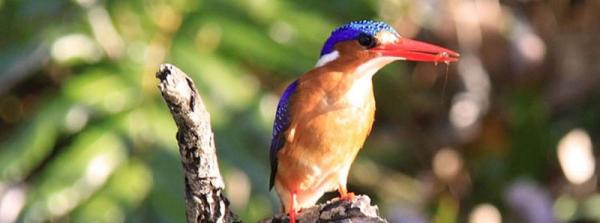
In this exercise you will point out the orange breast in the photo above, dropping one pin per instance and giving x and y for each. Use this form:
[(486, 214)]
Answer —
[(329, 126)]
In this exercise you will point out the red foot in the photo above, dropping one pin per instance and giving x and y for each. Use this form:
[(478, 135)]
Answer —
[(348, 197), (292, 211), (345, 195)]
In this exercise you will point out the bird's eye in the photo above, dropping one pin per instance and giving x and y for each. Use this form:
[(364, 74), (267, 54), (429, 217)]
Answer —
[(366, 40)]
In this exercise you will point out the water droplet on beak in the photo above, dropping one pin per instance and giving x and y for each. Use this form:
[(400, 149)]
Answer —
[(441, 56)]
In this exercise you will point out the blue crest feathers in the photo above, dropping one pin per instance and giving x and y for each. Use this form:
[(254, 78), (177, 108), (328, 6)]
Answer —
[(352, 30)]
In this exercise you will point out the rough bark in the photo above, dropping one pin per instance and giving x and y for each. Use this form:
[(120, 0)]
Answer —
[(358, 210), (205, 201), (204, 198)]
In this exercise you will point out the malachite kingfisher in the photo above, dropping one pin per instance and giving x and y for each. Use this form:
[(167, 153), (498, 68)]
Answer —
[(324, 117)]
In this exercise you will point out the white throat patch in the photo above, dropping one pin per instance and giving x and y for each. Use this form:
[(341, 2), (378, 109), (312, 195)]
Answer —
[(327, 58), (361, 88), (369, 68)]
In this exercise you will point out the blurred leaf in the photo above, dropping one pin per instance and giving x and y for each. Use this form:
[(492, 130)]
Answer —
[(447, 210), (75, 174), (530, 136), (35, 140), (167, 197), (101, 89), (120, 197)]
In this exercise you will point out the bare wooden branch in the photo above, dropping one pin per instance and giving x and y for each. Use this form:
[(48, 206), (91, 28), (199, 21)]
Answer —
[(358, 210), (205, 201)]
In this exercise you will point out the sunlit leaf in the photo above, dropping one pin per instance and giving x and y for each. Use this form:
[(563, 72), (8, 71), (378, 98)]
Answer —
[(75, 174), (102, 89), (122, 194)]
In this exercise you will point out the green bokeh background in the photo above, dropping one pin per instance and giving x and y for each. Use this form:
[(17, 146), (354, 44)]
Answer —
[(86, 137)]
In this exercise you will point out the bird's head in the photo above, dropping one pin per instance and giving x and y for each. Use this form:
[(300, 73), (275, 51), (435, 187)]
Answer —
[(374, 44)]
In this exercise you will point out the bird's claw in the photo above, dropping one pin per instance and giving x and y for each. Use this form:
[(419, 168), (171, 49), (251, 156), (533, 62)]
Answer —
[(347, 197)]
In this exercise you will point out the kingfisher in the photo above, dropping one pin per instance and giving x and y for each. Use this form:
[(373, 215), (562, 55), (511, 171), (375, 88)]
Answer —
[(324, 117)]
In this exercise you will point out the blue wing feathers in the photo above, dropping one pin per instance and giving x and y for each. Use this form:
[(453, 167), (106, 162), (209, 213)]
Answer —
[(280, 125)]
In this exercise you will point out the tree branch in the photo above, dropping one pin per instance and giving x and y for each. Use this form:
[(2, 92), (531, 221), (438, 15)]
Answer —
[(204, 185), (205, 201), (358, 210)]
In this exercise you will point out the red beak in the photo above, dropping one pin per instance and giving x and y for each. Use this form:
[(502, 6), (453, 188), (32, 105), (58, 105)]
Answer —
[(417, 51)]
